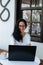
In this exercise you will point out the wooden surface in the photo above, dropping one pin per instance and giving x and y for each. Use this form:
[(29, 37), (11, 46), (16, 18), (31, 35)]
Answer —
[(41, 62), (1, 51)]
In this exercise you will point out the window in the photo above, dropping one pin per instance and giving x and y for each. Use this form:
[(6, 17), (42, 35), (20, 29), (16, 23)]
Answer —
[(31, 3), (32, 13)]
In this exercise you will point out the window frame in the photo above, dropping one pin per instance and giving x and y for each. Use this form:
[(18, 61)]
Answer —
[(31, 8)]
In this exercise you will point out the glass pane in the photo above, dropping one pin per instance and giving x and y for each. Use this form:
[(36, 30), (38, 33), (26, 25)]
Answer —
[(36, 28), (33, 3), (38, 3), (27, 15), (25, 3), (36, 15)]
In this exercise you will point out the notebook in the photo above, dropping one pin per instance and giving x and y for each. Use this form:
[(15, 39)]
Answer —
[(21, 53)]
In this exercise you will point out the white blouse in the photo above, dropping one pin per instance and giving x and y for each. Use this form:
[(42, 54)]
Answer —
[(26, 40)]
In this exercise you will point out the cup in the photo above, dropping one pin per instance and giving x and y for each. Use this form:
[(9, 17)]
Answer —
[(3, 55)]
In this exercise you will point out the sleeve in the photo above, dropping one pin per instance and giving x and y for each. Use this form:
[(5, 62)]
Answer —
[(28, 39), (12, 40)]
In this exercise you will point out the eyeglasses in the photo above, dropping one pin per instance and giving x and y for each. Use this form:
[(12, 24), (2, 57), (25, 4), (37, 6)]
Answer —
[(21, 25)]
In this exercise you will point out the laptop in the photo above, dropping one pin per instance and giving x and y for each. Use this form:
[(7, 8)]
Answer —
[(21, 53)]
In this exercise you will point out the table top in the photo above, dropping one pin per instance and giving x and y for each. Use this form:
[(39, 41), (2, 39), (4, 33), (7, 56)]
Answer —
[(7, 62)]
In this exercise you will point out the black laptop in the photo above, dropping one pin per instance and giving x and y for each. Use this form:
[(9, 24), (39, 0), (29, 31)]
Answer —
[(21, 53)]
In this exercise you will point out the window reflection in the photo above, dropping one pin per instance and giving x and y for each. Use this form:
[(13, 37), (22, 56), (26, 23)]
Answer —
[(27, 15), (32, 3), (36, 28), (36, 3), (25, 3), (39, 3), (36, 15)]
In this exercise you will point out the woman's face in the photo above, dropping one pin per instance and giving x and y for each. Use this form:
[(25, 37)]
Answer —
[(22, 26)]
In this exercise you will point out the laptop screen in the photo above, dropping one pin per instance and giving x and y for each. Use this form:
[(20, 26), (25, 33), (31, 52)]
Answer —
[(21, 53)]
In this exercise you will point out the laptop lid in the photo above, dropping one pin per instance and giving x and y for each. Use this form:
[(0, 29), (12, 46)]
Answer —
[(21, 53)]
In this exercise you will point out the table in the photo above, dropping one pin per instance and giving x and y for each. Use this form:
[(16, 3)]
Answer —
[(7, 62)]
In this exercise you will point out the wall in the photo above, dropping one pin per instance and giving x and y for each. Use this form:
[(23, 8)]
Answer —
[(6, 29), (39, 51)]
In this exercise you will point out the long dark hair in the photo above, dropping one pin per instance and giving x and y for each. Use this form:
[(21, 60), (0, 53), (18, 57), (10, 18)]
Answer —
[(17, 34)]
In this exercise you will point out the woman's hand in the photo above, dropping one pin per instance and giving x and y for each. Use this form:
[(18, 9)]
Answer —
[(29, 44)]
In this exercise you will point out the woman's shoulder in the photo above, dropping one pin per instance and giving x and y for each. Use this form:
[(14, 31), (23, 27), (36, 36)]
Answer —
[(27, 35)]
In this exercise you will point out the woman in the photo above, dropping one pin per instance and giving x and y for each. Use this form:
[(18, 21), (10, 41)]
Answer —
[(19, 36)]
